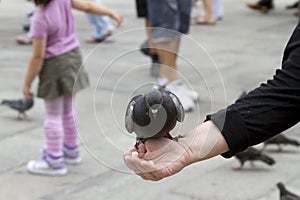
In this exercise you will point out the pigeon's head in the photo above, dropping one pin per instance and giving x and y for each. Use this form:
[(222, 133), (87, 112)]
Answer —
[(280, 186), (154, 100)]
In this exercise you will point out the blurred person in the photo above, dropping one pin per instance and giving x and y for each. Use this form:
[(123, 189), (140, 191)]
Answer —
[(262, 5), (294, 7), (57, 60), (103, 27), (266, 5), (170, 19), (213, 11), (25, 39), (147, 46)]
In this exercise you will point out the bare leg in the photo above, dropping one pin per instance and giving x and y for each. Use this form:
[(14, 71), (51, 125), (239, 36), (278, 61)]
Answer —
[(167, 52), (209, 17)]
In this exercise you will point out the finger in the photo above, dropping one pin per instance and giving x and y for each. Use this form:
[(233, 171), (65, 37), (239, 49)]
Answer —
[(130, 151), (151, 171), (141, 149), (132, 161), (129, 162), (143, 170)]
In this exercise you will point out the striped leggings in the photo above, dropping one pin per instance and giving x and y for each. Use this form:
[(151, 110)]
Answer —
[(59, 125)]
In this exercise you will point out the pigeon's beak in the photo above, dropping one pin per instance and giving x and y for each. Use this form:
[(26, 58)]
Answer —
[(154, 109)]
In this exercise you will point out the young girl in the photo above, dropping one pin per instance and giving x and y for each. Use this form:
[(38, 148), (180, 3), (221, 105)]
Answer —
[(57, 60)]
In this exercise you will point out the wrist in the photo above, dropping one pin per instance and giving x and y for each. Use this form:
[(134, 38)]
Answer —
[(27, 82), (203, 142)]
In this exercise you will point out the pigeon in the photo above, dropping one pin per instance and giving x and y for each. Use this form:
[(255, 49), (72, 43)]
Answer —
[(153, 114), (253, 154), (279, 140), (20, 105), (285, 194)]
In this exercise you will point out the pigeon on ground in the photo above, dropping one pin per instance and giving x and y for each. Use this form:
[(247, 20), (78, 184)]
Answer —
[(20, 105), (285, 194), (153, 114), (251, 154), (280, 140)]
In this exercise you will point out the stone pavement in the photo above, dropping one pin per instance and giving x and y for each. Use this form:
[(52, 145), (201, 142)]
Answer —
[(219, 62)]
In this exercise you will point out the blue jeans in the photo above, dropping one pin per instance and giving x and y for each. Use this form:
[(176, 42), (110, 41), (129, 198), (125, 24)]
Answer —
[(100, 23), (169, 18)]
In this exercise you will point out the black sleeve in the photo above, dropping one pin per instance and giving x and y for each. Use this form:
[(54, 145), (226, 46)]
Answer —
[(266, 111)]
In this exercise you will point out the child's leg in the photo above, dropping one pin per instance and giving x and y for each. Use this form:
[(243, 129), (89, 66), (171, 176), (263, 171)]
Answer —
[(69, 124), (71, 149), (53, 126), (51, 162)]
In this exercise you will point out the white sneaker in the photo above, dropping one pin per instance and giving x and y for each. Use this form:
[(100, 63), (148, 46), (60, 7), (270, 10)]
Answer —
[(179, 86), (42, 167), (71, 155), (185, 99)]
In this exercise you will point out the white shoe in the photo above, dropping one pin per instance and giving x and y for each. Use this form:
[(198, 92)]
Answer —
[(71, 155), (185, 99), (179, 86), (73, 161), (42, 167)]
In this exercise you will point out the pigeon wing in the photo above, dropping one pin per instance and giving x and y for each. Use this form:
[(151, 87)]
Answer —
[(15, 104), (28, 103), (129, 124), (178, 105)]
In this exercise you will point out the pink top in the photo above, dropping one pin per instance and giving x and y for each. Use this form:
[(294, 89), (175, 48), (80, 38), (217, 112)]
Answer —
[(55, 23)]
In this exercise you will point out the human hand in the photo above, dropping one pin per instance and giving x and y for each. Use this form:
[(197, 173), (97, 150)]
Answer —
[(117, 18), (158, 158), (26, 92)]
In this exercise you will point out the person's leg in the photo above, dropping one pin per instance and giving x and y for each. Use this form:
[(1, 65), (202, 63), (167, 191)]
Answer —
[(218, 9), (69, 123), (105, 23), (93, 22), (263, 5), (167, 52), (53, 126), (71, 148), (208, 17), (51, 162), (165, 33), (102, 26)]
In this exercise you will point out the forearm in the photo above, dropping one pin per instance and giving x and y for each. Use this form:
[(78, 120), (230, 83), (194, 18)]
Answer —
[(34, 68), (94, 8), (204, 142)]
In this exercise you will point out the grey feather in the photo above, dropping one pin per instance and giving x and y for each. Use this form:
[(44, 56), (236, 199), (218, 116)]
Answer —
[(128, 117), (179, 108)]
